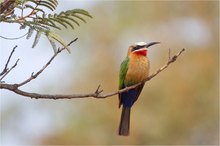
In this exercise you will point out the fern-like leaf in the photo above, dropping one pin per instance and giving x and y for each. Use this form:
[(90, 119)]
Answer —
[(50, 4), (29, 6), (54, 2), (53, 44), (71, 19), (36, 9), (39, 21), (53, 36), (58, 21), (30, 32), (67, 18), (79, 17), (80, 11), (36, 39)]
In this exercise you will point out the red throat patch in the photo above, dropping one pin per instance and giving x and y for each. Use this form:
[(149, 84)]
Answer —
[(142, 52)]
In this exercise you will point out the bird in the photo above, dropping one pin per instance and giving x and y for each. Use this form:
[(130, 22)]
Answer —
[(134, 69)]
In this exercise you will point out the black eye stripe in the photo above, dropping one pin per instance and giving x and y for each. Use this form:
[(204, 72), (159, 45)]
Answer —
[(136, 48)]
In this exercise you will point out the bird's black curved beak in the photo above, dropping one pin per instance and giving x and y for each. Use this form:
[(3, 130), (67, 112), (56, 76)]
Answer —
[(151, 44)]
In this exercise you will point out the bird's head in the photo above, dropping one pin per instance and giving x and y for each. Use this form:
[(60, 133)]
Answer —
[(140, 48)]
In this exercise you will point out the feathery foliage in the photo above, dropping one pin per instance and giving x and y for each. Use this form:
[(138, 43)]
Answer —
[(32, 15)]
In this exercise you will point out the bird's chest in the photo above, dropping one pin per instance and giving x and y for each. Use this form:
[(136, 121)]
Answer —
[(138, 70)]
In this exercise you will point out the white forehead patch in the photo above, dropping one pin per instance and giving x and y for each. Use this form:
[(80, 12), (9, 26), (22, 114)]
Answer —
[(140, 43)]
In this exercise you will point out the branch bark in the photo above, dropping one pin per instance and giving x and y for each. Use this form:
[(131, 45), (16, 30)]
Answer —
[(95, 94)]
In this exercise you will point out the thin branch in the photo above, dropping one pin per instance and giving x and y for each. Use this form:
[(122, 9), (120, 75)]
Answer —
[(9, 70), (14, 88), (33, 12), (14, 38), (95, 94), (173, 59), (33, 76), (5, 5), (6, 65)]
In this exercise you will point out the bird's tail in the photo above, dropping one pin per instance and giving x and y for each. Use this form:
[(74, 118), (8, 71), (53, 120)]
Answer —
[(124, 122)]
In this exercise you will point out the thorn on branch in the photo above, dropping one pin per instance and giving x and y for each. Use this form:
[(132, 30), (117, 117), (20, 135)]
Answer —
[(58, 50), (174, 58), (97, 92), (32, 74)]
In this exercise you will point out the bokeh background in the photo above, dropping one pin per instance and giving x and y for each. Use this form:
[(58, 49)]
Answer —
[(180, 106)]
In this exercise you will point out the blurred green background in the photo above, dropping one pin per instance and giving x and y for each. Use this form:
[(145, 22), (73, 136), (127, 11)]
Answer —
[(180, 106)]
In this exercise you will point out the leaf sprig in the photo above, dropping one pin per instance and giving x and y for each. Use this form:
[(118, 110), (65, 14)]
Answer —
[(38, 21), (50, 4), (67, 18)]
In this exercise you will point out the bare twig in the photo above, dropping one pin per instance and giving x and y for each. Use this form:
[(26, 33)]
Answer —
[(33, 76), (6, 65), (9, 70), (96, 94)]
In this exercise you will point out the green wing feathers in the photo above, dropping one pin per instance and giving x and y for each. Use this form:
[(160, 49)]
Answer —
[(123, 71)]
